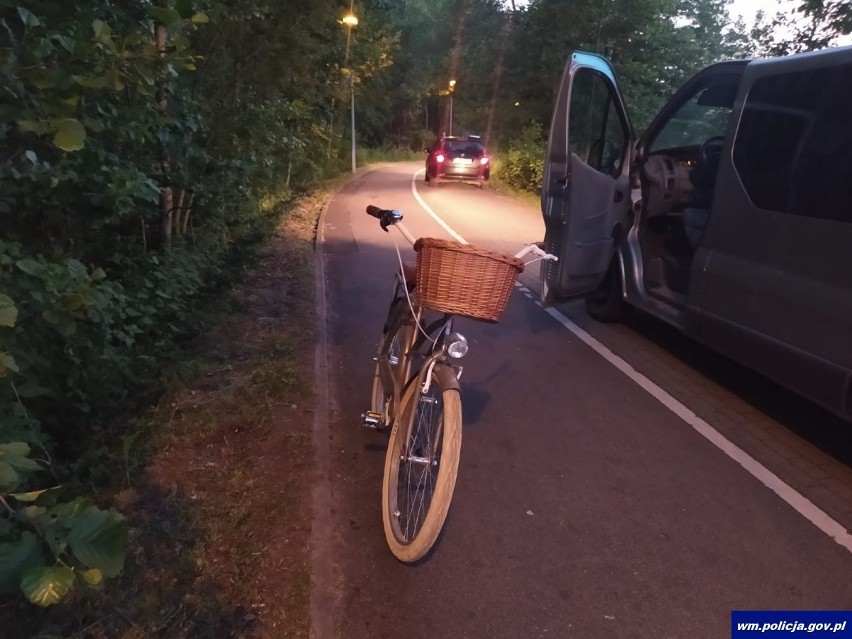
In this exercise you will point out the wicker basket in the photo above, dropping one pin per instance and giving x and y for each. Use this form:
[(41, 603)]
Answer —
[(464, 280)]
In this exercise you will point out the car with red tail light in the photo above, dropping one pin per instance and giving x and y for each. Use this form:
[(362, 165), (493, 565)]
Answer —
[(458, 158)]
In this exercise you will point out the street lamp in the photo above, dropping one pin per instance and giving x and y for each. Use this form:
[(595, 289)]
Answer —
[(451, 90), (351, 21)]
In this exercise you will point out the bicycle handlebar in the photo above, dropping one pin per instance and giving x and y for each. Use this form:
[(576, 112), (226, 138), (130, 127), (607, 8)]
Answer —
[(537, 250), (386, 217), (392, 217)]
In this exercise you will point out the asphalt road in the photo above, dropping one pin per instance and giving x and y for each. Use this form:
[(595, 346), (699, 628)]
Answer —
[(585, 507)]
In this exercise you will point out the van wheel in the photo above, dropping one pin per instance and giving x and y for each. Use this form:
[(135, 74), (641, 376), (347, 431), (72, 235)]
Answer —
[(605, 303)]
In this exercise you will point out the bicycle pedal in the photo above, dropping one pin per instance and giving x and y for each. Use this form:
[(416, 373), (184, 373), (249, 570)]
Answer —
[(372, 420)]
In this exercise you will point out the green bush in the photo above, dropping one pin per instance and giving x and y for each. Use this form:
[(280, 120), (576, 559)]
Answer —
[(522, 164), (136, 177), (46, 545)]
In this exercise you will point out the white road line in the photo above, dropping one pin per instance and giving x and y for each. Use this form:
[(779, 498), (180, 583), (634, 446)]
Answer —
[(794, 498), (428, 209)]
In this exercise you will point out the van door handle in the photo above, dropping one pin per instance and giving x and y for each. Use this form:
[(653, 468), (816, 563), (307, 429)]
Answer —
[(558, 187), (619, 196)]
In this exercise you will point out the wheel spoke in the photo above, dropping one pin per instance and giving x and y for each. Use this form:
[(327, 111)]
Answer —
[(420, 464)]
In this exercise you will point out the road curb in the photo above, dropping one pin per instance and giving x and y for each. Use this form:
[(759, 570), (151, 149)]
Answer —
[(323, 596)]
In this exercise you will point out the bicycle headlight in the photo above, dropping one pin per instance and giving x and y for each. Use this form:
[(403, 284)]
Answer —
[(457, 346)]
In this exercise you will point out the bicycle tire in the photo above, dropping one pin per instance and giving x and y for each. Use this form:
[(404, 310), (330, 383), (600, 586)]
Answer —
[(417, 491)]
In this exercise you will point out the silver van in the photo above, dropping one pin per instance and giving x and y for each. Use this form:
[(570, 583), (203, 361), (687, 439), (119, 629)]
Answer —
[(729, 218)]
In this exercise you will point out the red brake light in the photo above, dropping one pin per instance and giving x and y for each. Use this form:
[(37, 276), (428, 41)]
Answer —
[(439, 158), (483, 159)]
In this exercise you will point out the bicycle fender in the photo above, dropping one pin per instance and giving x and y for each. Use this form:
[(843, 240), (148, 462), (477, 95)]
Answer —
[(447, 377)]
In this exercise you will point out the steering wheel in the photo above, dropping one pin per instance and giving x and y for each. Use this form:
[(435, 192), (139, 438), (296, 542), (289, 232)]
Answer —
[(710, 150)]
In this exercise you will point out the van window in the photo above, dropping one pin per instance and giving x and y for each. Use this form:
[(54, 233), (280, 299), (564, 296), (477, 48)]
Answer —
[(793, 150), (597, 131), (704, 115)]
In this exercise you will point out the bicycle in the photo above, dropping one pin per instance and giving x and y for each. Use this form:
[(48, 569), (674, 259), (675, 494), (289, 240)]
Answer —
[(416, 391)]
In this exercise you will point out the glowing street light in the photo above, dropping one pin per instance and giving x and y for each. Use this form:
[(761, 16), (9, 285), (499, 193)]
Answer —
[(351, 21), (451, 90)]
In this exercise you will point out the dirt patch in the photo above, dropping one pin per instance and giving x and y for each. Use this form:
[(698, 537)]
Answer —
[(220, 513)]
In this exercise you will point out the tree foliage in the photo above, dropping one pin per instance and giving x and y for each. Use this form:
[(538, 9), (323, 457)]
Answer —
[(814, 24), (144, 146)]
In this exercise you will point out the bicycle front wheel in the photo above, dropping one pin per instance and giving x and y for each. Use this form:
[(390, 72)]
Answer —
[(421, 468)]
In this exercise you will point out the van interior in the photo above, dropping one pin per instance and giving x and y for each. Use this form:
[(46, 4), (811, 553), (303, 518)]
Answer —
[(677, 172)]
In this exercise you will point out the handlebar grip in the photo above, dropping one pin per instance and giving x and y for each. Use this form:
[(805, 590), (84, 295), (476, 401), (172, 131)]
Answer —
[(386, 217)]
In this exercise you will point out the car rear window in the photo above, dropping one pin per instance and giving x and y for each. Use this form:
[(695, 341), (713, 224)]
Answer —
[(464, 147)]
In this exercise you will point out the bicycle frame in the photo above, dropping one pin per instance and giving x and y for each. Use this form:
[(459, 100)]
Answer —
[(397, 370)]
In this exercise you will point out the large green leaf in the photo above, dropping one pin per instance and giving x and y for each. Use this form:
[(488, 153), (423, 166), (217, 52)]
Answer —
[(22, 449), (47, 586), (7, 363), (20, 463), (166, 16), (27, 17), (33, 126), (16, 558), (16, 454), (98, 539), (113, 77), (92, 577), (30, 496), (8, 311), (70, 134), (95, 82), (100, 28), (33, 514), (68, 511), (9, 479), (30, 267)]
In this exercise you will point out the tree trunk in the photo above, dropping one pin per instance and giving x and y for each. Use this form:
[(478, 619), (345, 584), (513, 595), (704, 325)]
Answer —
[(167, 195), (187, 213), (179, 212)]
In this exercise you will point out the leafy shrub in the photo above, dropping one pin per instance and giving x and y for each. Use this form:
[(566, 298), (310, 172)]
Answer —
[(47, 545), (420, 140), (522, 165)]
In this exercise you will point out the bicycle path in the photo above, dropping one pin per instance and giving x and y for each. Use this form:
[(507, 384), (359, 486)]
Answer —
[(583, 506)]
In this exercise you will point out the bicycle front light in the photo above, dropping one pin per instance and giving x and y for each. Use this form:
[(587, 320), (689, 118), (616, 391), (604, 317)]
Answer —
[(457, 346)]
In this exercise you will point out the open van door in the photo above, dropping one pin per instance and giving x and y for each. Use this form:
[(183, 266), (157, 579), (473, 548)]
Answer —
[(585, 193)]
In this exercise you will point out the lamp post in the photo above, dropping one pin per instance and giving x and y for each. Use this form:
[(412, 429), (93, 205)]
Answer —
[(351, 21), (451, 90)]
